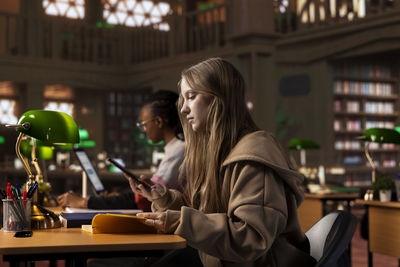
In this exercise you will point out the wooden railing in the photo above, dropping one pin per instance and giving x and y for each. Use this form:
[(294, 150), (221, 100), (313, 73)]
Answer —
[(307, 14), (74, 40)]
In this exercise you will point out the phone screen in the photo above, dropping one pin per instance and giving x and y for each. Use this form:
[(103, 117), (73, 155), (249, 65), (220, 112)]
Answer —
[(122, 168), (23, 234)]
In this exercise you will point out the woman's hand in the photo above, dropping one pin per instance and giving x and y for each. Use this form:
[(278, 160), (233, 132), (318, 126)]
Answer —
[(156, 219), (156, 192), (156, 189), (72, 200)]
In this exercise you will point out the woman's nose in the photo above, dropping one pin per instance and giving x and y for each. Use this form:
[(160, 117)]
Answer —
[(184, 109)]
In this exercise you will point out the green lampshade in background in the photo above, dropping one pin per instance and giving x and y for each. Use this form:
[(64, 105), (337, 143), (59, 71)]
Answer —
[(83, 134), (302, 145), (381, 135), (2, 140), (50, 127), (84, 143), (298, 143)]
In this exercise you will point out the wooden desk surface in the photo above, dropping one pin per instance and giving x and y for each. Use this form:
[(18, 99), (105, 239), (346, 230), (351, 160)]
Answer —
[(391, 204), (71, 240), (332, 196)]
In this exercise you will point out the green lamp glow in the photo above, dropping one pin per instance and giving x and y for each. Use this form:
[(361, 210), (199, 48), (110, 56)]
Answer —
[(378, 135), (42, 152), (302, 145), (2, 140), (87, 143)]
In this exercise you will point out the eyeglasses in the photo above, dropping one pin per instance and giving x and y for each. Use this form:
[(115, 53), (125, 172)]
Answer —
[(142, 125)]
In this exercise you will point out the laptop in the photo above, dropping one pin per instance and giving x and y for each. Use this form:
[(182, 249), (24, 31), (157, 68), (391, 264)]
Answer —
[(89, 170)]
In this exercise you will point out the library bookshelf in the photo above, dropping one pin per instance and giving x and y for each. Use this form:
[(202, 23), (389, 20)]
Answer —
[(364, 96)]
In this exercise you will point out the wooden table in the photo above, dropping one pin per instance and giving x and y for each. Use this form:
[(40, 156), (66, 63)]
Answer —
[(76, 246), (383, 228), (314, 207)]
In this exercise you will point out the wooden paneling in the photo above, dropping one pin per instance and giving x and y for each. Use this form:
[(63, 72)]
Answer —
[(384, 230)]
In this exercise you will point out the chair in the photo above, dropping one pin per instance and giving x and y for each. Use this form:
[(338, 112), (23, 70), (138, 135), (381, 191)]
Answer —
[(329, 238)]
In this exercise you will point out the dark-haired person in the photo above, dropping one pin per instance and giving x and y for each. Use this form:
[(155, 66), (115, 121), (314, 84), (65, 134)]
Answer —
[(242, 194), (160, 121)]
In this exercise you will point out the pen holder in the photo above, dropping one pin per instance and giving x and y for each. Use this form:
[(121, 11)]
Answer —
[(16, 215)]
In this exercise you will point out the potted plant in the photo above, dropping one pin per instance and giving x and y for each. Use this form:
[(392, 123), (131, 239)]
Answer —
[(384, 185)]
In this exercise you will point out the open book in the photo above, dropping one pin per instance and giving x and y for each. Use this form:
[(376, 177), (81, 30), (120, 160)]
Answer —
[(118, 223)]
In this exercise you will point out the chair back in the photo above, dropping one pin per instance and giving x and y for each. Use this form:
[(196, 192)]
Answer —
[(330, 236)]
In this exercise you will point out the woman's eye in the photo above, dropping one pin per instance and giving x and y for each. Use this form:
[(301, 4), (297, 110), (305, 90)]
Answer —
[(191, 97)]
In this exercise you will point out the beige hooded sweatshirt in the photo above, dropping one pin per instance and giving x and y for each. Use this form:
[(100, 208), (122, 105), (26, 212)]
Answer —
[(260, 226)]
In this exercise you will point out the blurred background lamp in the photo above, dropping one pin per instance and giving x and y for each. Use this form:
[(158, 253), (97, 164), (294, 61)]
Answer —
[(381, 136), (302, 145)]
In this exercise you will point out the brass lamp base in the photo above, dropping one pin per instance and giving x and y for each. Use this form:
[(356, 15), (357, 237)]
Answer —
[(42, 218)]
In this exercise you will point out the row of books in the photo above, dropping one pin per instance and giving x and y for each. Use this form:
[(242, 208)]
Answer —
[(358, 160), (348, 144), (365, 70), (362, 88), (356, 125), (365, 182), (379, 124), (379, 107), (351, 125), (370, 107)]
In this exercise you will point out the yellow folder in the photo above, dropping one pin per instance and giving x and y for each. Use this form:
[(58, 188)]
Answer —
[(118, 223)]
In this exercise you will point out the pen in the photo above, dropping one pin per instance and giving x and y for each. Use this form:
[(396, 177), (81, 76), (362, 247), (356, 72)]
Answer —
[(14, 191), (9, 192), (24, 195), (32, 189), (18, 190)]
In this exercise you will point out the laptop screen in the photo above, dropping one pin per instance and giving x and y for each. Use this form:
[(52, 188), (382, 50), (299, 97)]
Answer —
[(89, 169)]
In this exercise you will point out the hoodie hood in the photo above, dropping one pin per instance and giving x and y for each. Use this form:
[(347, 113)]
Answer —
[(262, 147)]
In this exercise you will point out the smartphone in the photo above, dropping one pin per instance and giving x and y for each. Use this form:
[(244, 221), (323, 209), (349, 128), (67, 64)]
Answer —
[(23, 234), (131, 175)]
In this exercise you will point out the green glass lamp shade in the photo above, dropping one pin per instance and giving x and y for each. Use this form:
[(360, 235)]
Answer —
[(42, 152), (381, 135), (2, 140), (83, 134), (298, 143), (63, 146), (50, 127)]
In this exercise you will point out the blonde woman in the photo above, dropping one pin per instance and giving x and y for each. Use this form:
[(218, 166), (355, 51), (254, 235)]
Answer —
[(240, 204)]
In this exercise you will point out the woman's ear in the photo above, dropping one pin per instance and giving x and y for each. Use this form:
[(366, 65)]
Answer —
[(159, 121)]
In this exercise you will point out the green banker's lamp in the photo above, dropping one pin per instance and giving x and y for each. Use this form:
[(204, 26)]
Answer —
[(31, 149), (302, 145), (378, 135), (50, 128)]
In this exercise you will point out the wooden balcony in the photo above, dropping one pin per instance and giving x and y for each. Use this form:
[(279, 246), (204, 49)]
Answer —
[(55, 38)]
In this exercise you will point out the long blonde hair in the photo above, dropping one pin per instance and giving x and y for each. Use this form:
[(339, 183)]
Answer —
[(228, 119)]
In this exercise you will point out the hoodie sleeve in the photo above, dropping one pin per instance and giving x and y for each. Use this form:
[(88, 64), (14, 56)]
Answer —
[(256, 215)]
